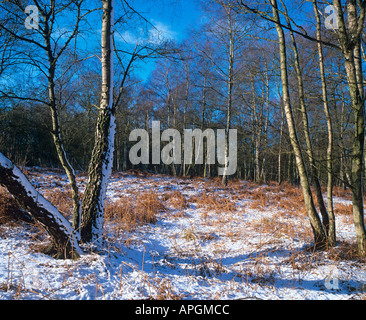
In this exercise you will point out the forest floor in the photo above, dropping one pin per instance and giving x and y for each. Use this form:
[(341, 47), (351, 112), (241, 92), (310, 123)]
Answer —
[(170, 238)]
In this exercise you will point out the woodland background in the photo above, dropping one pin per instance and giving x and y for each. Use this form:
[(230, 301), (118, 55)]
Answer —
[(187, 89)]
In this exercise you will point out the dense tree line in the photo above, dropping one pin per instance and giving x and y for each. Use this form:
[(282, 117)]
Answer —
[(188, 89)]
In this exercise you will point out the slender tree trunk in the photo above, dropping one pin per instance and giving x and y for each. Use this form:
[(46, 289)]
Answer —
[(266, 124), (256, 137), (305, 120), (281, 138), (186, 105), (316, 224), (56, 135), (289, 167), (225, 178), (258, 124), (331, 229), (56, 130), (280, 151), (92, 219), (340, 119)]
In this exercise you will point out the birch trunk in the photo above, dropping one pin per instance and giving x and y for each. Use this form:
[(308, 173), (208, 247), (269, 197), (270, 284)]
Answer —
[(331, 229), (350, 42), (225, 178), (280, 151), (266, 123), (316, 224), (56, 130), (100, 168), (257, 132), (305, 120), (58, 142)]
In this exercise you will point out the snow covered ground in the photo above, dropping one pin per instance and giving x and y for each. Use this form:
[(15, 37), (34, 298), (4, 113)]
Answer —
[(237, 251)]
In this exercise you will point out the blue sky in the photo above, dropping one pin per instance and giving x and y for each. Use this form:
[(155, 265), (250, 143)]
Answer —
[(174, 16), (171, 20)]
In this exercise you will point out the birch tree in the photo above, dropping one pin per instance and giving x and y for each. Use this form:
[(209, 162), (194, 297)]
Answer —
[(315, 221), (331, 229), (100, 168), (228, 33), (305, 119), (45, 51), (349, 38)]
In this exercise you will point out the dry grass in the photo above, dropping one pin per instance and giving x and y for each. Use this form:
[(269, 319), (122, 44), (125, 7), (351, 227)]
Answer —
[(343, 209), (294, 206), (165, 291), (290, 201), (345, 251), (121, 213), (214, 202), (284, 197), (272, 225), (130, 212), (149, 205), (260, 200), (176, 199), (342, 193), (275, 227), (61, 199)]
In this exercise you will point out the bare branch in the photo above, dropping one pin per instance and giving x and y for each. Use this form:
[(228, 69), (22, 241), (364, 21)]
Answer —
[(270, 19)]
